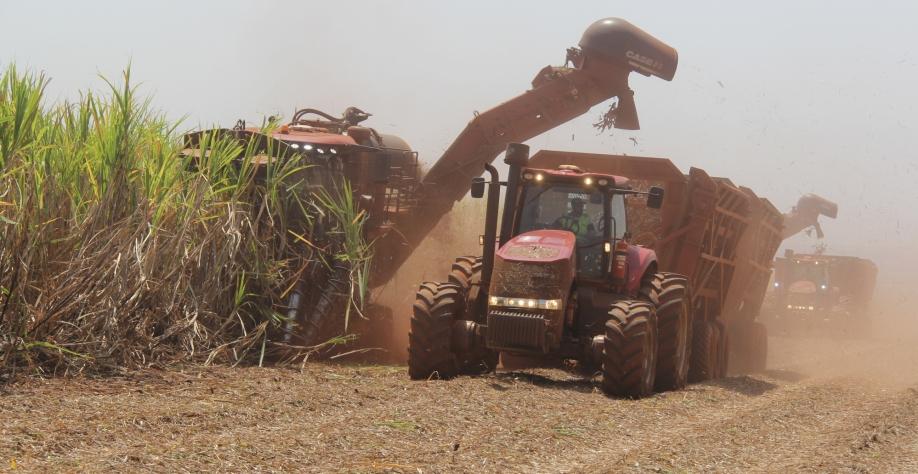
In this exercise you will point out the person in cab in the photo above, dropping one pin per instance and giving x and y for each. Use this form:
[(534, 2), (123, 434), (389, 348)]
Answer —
[(576, 220)]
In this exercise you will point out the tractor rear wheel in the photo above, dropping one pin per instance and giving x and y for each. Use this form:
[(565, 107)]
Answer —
[(464, 271), (430, 336), (630, 349), (670, 294), (704, 352), (466, 274)]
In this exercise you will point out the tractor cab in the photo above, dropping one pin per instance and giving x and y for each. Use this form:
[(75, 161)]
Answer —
[(585, 204)]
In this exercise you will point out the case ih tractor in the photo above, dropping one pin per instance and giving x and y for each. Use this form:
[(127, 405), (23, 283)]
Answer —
[(561, 281)]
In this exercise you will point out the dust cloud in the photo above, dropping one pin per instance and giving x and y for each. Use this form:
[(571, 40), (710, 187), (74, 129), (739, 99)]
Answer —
[(885, 358), (455, 235)]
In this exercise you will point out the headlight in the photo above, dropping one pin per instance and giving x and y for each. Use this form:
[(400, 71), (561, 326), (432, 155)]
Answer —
[(527, 303)]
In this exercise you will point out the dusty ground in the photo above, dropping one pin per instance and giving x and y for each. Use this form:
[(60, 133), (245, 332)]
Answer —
[(826, 406)]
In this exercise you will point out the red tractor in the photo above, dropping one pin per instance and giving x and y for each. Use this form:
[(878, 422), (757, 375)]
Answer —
[(558, 281)]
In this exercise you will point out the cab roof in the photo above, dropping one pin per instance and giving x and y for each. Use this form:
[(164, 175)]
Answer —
[(311, 136), (573, 172)]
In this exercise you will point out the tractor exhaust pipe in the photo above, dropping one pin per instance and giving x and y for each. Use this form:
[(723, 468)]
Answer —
[(490, 231), (517, 156)]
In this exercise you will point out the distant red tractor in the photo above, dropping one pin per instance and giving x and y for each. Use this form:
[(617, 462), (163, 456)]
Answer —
[(561, 282)]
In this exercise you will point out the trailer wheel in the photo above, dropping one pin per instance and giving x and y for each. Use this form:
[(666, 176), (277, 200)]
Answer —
[(760, 347), (670, 293), (429, 339), (629, 353), (723, 350), (704, 352)]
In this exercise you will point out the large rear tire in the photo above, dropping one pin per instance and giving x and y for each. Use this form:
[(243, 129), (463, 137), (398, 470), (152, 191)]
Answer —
[(466, 274), (430, 336), (630, 349), (670, 294), (704, 352)]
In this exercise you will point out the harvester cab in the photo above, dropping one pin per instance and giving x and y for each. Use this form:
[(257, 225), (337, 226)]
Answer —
[(802, 282), (814, 290), (559, 281)]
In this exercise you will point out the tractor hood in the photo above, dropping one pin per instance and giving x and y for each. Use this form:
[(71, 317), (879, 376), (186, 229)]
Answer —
[(530, 286), (539, 246)]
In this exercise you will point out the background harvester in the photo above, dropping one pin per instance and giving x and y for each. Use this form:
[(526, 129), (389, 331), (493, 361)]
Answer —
[(828, 292)]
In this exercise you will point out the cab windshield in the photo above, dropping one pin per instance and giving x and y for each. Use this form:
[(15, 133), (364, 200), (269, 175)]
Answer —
[(578, 210), (809, 271)]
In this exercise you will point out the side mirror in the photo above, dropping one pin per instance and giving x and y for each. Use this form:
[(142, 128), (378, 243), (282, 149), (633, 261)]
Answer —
[(478, 187), (655, 197)]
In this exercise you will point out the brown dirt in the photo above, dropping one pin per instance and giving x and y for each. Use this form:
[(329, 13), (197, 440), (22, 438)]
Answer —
[(372, 418)]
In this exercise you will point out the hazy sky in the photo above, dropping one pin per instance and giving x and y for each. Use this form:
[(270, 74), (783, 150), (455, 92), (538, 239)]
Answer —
[(786, 97)]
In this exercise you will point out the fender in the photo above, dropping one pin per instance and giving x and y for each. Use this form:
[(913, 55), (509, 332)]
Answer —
[(639, 260)]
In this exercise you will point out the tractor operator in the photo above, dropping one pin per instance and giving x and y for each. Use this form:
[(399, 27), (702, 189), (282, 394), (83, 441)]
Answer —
[(576, 220)]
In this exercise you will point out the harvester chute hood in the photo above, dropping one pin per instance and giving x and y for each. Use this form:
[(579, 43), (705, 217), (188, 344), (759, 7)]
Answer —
[(806, 213), (616, 40)]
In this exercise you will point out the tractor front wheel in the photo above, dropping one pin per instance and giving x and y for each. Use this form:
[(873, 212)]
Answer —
[(441, 343), (630, 349), (670, 294)]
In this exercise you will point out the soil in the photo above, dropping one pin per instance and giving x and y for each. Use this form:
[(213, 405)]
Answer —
[(823, 406)]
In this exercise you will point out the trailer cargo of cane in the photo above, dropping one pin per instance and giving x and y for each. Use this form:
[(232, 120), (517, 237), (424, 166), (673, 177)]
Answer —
[(722, 236)]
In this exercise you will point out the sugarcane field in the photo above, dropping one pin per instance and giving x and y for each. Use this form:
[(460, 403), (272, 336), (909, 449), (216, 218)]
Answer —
[(425, 237)]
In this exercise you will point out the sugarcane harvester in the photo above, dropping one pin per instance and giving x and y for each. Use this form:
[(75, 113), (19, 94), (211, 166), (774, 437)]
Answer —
[(401, 206)]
